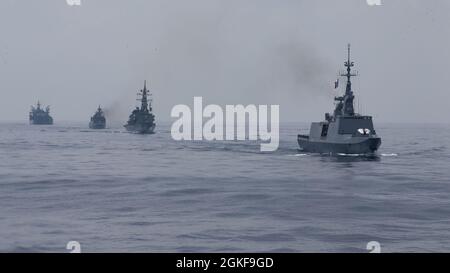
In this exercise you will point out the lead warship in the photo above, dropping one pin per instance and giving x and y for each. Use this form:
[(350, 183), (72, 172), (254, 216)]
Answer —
[(142, 120), (98, 120), (39, 116), (344, 132)]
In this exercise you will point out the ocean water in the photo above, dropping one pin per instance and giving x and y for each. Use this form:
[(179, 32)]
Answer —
[(118, 192)]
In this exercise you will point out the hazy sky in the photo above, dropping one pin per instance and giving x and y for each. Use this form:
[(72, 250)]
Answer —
[(285, 52)]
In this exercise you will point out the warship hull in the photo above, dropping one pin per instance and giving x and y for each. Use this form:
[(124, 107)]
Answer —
[(344, 131), (142, 120), (41, 121), (363, 146), (140, 128), (40, 116), (98, 121), (97, 126)]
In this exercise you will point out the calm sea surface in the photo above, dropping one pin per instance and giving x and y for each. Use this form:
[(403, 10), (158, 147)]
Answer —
[(115, 191)]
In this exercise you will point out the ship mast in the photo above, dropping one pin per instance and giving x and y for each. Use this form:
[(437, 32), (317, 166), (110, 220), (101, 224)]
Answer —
[(144, 100), (348, 109)]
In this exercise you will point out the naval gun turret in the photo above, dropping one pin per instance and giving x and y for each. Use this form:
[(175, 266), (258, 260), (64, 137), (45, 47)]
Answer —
[(142, 120), (345, 131), (39, 116)]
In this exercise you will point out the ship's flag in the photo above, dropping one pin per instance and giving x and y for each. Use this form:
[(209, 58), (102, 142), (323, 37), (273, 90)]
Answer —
[(336, 84)]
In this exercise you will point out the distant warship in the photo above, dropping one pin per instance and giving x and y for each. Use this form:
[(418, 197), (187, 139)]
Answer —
[(40, 116), (98, 121), (142, 119), (344, 132)]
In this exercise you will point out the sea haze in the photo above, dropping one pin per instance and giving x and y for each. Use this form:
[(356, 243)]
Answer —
[(115, 191)]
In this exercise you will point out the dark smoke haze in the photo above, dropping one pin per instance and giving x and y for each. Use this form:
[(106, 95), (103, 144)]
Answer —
[(230, 52)]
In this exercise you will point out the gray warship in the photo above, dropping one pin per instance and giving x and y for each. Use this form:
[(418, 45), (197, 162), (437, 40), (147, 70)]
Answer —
[(344, 132), (39, 116), (98, 120), (142, 120)]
